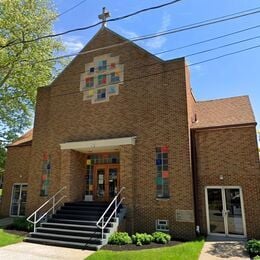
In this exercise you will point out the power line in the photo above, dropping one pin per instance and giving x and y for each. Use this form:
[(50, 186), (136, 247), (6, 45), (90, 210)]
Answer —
[(176, 30), (173, 70), (94, 25), (166, 71), (51, 19), (158, 34), (71, 8), (192, 54), (208, 40), (222, 46), (199, 24)]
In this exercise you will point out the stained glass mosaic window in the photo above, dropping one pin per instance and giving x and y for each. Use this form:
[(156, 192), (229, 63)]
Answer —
[(112, 65), (89, 82), (114, 77), (102, 65), (101, 94), (105, 71), (162, 173), (102, 79), (45, 178), (112, 90)]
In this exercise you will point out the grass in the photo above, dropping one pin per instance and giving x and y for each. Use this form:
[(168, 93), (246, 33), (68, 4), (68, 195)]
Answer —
[(188, 250), (8, 239)]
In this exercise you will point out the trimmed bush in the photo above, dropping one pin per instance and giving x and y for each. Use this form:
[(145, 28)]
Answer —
[(161, 238), (142, 239), (21, 224), (120, 238), (253, 247)]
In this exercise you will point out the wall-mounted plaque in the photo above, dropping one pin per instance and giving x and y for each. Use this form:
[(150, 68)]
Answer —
[(184, 215)]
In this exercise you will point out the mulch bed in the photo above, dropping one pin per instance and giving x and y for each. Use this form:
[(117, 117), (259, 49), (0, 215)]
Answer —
[(16, 232), (135, 247)]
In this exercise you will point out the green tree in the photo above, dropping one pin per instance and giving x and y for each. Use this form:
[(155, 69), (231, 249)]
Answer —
[(21, 73)]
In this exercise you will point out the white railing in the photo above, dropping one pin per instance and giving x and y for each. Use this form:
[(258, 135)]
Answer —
[(53, 203), (114, 213)]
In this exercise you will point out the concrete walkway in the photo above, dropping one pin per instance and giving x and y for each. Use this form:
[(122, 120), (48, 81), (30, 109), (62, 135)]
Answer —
[(30, 251), (215, 249)]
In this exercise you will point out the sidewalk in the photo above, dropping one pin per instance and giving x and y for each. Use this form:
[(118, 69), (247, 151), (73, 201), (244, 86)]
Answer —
[(30, 251), (216, 248)]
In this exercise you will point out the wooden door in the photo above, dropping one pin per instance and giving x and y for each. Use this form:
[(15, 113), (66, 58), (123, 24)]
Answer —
[(106, 181)]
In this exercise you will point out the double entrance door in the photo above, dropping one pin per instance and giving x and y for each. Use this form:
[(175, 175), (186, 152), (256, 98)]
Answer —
[(225, 213), (106, 181), (19, 197)]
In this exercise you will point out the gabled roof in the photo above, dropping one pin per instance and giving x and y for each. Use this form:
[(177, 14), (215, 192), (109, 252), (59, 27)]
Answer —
[(223, 112), (25, 139)]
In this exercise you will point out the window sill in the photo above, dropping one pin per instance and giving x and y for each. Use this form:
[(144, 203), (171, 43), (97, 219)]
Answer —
[(163, 199)]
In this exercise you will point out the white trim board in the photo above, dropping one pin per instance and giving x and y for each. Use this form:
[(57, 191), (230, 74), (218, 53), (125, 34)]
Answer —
[(104, 145)]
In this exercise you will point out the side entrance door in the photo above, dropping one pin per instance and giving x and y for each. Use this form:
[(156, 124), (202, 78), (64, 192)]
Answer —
[(18, 200), (106, 181), (225, 212)]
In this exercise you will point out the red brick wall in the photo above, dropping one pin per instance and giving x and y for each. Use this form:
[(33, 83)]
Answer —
[(232, 153), (151, 105), (16, 171)]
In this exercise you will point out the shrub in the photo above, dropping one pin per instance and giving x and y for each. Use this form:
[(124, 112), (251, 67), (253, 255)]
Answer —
[(142, 239), (253, 247), (120, 238), (161, 238), (21, 224), (257, 257)]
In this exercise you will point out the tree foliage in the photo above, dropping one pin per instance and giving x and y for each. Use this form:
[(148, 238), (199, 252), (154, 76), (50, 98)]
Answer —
[(21, 68)]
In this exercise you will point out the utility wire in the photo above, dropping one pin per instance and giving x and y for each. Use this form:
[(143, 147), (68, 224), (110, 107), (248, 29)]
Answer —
[(165, 71), (70, 9), (222, 46), (176, 30), (94, 25), (208, 40), (14, 42), (198, 25), (158, 34), (166, 51)]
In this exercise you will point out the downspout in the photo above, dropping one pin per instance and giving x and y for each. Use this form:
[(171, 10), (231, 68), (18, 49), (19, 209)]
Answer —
[(195, 181)]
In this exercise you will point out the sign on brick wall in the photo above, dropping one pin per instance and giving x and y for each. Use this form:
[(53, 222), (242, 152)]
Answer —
[(184, 215), (101, 78)]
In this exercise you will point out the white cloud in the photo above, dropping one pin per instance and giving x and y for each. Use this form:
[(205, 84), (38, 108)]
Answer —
[(72, 43), (158, 42), (128, 34)]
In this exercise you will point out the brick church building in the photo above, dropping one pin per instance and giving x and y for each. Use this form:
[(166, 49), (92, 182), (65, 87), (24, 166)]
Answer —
[(118, 116)]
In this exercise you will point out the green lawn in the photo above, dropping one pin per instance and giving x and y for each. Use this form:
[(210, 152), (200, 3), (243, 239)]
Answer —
[(8, 239), (188, 250)]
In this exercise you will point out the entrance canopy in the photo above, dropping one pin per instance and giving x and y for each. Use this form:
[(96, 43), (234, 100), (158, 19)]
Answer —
[(104, 145)]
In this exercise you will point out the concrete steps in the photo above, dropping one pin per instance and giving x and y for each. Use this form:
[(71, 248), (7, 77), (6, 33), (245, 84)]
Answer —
[(74, 225)]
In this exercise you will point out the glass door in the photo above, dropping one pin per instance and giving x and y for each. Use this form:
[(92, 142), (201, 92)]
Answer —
[(106, 182), (224, 211), (100, 183), (215, 211), (19, 197), (113, 181), (234, 212)]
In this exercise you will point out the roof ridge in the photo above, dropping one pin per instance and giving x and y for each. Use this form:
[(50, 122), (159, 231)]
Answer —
[(219, 99)]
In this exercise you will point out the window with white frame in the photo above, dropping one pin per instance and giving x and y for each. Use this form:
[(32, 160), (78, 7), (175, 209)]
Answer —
[(162, 225)]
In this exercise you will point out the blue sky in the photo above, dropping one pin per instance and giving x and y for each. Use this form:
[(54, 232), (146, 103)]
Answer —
[(230, 76)]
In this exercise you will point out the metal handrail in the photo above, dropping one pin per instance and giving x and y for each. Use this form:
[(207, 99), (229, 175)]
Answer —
[(54, 203), (102, 218)]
